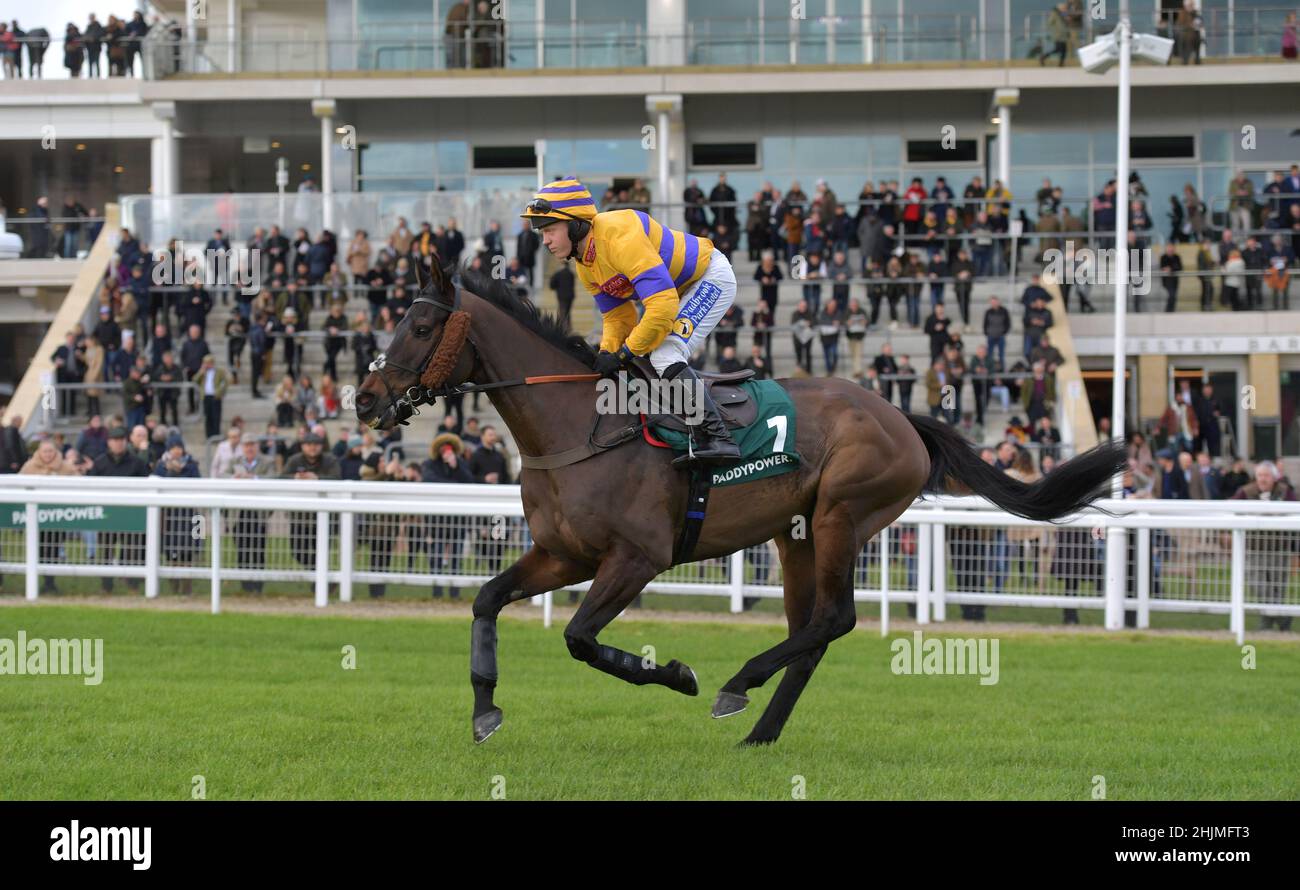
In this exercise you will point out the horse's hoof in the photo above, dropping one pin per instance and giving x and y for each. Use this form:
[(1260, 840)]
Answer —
[(728, 703), (486, 724), (685, 680), (755, 741)]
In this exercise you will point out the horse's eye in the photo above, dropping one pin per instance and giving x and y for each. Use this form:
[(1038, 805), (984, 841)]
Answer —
[(421, 332)]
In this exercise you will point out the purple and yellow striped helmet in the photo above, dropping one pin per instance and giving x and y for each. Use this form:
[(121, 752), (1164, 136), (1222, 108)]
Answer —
[(560, 200)]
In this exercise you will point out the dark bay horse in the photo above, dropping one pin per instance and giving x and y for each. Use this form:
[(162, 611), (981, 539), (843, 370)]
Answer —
[(612, 517)]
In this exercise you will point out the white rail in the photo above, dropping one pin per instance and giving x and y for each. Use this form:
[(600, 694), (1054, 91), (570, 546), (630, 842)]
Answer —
[(1217, 557)]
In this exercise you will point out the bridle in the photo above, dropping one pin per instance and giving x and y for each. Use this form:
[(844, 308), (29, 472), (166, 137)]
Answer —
[(437, 367)]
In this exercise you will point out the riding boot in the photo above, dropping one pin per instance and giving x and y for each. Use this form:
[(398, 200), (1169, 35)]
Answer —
[(716, 444)]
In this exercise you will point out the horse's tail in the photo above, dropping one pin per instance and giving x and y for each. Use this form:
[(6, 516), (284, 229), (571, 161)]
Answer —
[(956, 467)]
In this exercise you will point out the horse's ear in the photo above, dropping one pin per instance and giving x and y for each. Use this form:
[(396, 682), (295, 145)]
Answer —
[(421, 282)]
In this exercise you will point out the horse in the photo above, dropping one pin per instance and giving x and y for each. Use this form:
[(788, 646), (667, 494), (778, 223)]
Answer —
[(609, 511)]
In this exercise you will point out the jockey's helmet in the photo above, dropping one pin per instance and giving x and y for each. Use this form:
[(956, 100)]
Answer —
[(564, 200)]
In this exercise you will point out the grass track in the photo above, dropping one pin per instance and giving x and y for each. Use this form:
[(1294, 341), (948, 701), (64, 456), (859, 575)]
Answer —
[(261, 707)]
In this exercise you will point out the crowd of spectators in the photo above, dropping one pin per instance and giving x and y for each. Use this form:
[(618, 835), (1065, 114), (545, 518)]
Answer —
[(103, 49)]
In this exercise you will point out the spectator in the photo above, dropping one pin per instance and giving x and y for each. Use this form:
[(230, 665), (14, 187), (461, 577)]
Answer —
[(997, 324), (118, 461), (906, 377), (980, 382), (212, 383), (47, 461), (1268, 554), (1234, 272), (936, 379), (69, 363), (762, 321), (445, 534), (250, 525), (757, 363), (722, 202), (1170, 267), (801, 324), (937, 327), (1038, 394), (725, 334), (1038, 318), (312, 462), (830, 322), (1206, 408), (1289, 37), (768, 275), (1048, 354), (855, 331), (1047, 437), (13, 448)]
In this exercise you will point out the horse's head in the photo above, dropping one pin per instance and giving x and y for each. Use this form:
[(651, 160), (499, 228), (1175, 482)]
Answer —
[(430, 350)]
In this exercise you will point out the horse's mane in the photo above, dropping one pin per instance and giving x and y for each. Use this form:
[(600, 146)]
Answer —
[(523, 310)]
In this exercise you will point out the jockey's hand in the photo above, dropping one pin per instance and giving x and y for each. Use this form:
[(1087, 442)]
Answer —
[(608, 364)]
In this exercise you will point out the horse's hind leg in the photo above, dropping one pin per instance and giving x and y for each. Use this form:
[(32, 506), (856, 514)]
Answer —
[(537, 571), (798, 569), (833, 615), (619, 579)]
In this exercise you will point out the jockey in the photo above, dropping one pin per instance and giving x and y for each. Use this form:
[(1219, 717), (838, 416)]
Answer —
[(683, 282)]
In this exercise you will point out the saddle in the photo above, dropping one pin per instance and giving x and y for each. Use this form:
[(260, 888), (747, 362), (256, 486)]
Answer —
[(733, 401)]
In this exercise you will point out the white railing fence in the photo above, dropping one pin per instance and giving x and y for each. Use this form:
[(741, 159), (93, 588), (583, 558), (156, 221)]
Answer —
[(1217, 557)]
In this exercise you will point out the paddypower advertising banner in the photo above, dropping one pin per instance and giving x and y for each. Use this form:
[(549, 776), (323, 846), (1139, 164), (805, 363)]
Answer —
[(72, 517)]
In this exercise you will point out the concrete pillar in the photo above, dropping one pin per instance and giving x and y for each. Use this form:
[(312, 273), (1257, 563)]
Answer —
[(665, 111), (665, 32), (325, 109), (1003, 102), (165, 175)]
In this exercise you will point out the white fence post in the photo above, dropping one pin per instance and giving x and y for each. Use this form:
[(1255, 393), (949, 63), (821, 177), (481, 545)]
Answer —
[(736, 580), (940, 581), (322, 558), (33, 551), (214, 530), (1144, 578), (152, 549), (924, 563), (884, 580), (1116, 569), (548, 604), (1237, 622), (346, 556)]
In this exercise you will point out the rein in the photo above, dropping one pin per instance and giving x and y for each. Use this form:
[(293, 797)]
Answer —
[(442, 361)]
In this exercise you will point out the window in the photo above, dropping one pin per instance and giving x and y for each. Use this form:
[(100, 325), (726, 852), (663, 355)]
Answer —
[(724, 154), (504, 157), (1162, 147), (924, 151)]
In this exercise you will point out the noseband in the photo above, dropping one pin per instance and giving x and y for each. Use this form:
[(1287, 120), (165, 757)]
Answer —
[(442, 361), (436, 369)]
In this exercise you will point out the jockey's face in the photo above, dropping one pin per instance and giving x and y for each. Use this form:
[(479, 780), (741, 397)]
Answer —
[(556, 238)]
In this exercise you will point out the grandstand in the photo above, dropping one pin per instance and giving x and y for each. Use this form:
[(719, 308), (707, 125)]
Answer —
[(345, 116)]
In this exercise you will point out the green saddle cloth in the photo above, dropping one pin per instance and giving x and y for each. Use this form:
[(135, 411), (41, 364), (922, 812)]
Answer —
[(766, 445)]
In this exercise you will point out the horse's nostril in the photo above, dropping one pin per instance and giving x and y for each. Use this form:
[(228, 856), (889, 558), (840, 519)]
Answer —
[(365, 400)]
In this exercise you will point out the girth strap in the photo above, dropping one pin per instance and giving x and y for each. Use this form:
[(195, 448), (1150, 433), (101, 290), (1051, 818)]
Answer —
[(590, 448)]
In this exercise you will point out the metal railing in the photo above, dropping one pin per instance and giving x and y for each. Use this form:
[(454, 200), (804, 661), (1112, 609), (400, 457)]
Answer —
[(1218, 557), (529, 44)]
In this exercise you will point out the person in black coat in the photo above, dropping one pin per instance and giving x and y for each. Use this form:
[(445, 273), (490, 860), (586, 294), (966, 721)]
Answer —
[(70, 364), (194, 307), (446, 533), (722, 201), (260, 345), (119, 461), (193, 348)]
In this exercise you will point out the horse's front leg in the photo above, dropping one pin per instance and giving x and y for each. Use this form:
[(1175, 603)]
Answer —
[(537, 571)]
